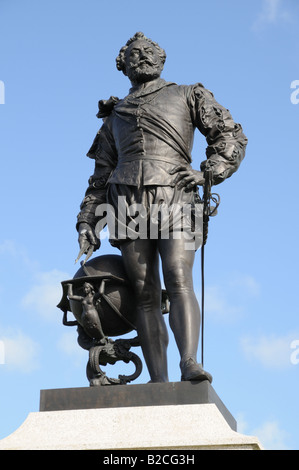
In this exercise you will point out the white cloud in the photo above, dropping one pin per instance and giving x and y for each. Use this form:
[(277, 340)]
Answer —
[(68, 345), (227, 300), (45, 294), (271, 436), (242, 425), (15, 251), (271, 9), (246, 283), (269, 433), (21, 353), (218, 305), (271, 351), (8, 247), (272, 12)]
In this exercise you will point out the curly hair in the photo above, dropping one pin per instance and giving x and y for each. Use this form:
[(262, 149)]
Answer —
[(120, 59)]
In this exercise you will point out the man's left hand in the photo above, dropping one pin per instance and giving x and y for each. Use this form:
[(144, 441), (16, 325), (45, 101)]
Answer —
[(187, 177)]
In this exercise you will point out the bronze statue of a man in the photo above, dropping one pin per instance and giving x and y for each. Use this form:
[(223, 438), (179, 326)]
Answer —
[(143, 156)]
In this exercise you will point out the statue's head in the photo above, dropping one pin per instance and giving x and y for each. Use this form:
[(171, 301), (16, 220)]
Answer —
[(141, 59), (88, 288)]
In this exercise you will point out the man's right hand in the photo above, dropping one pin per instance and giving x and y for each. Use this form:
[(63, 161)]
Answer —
[(87, 240)]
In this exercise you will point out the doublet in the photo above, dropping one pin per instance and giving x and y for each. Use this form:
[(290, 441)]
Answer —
[(151, 131)]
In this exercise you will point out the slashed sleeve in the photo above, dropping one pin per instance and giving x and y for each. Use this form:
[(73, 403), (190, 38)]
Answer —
[(225, 138)]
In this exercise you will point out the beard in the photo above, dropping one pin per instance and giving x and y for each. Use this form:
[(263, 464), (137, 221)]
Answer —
[(144, 72)]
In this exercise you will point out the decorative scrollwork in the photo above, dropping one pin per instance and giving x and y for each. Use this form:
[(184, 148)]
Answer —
[(110, 353)]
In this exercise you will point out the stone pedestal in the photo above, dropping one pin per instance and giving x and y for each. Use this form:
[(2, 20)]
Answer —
[(173, 416)]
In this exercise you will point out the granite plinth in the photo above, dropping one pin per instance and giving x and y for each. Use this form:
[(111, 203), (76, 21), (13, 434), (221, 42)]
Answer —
[(172, 427), (151, 394), (172, 416)]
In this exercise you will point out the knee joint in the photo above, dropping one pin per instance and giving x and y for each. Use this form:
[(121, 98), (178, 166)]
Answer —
[(147, 293), (177, 279)]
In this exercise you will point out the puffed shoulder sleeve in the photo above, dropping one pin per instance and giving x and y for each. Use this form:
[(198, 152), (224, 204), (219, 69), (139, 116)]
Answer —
[(225, 138), (103, 147), (104, 153)]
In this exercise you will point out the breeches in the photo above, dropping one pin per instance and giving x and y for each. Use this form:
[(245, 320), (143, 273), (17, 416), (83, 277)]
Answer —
[(154, 212)]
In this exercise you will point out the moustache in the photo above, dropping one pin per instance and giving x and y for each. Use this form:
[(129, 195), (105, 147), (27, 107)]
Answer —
[(149, 62)]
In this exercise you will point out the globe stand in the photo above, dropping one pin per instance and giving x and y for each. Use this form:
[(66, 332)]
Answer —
[(110, 353), (102, 302)]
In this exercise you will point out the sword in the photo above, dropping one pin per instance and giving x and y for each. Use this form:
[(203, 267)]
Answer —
[(208, 211)]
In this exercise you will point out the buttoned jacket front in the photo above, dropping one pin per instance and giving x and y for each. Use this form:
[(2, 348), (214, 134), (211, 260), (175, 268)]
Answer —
[(151, 131)]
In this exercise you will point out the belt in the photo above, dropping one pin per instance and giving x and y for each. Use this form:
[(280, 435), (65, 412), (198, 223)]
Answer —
[(176, 159)]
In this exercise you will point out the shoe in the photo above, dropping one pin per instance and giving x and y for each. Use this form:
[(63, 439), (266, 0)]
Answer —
[(191, 370)]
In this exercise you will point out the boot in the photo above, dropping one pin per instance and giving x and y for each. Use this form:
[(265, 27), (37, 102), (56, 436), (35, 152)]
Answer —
[(191, 370)]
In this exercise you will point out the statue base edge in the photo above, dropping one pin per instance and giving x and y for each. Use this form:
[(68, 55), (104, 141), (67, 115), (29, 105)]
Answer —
[(150, 394), (172, 427)]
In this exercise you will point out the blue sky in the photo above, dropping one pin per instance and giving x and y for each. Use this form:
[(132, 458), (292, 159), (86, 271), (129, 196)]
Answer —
[(57, 61)]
